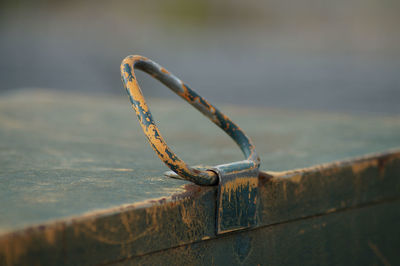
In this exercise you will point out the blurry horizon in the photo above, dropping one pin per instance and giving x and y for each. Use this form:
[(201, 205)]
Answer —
[(313, 55)]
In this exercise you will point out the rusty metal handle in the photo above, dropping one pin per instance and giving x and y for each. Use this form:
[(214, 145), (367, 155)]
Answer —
[(151, 131)]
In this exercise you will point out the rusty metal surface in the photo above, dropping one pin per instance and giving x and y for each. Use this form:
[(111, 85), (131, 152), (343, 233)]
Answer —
[(363, 236), (237, 181), (237, 196), (200, 177), (75, 168), (64, 155), (129, 232)]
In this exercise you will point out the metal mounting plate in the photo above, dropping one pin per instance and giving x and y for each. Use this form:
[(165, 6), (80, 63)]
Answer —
[(237, 196)]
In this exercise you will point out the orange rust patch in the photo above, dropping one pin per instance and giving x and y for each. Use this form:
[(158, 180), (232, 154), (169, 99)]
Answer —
[(359, 167), (238, 184), (15, 245), (296, 178), (12, 248), (163, 70)]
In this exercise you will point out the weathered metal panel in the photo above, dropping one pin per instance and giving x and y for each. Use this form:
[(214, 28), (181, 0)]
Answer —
[(111, 205), (117, 234), (363, 236)]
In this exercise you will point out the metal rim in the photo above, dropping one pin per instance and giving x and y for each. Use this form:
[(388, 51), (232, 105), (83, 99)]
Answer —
[(151, 131)]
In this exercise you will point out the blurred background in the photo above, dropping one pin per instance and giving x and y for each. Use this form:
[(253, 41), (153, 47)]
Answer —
[(341, 56)]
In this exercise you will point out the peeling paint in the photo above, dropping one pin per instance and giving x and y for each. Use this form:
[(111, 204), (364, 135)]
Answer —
[(237, 196), (231, 188), (200, 177)]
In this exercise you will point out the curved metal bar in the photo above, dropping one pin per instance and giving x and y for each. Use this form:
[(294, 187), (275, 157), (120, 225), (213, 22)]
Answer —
[(153, 134)]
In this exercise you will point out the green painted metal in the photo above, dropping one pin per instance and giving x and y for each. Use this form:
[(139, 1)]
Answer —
[(74, 190)]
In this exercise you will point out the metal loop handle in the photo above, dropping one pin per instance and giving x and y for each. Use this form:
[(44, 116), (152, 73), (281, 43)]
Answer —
[(153, 134)]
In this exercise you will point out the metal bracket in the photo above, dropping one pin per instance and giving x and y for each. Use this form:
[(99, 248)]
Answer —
[(237, 196)]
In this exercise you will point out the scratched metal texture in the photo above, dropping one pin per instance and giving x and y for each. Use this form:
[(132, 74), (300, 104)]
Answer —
[(83, 161)]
